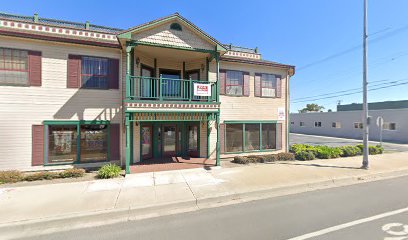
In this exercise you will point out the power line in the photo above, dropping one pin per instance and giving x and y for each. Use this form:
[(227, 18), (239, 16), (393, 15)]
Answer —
[(343, 91), (352, 93)]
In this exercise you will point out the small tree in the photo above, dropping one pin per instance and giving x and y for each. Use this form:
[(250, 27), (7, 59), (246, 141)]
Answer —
[(312, 107)]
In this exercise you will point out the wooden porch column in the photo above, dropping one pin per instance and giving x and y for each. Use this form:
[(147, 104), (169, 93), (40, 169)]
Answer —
[(128, 142), (218, 150), (217, 61)]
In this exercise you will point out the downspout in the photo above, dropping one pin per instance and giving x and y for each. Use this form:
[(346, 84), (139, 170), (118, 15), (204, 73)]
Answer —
[(287, 110)]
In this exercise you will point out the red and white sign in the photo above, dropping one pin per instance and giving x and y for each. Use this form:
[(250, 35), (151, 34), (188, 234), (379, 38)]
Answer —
[(281, 113), (201, 89)]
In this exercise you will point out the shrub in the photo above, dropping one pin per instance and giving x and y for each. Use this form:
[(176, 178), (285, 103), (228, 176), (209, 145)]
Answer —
[(372, 150), (283, 156), (41, 176), (269, 158), (350, 151), (109, 171), (72, 173), (11, 176), (304, 155), (325, 152)]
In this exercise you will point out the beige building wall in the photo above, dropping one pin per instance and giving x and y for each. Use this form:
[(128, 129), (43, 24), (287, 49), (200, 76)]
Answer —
[(22, 107)]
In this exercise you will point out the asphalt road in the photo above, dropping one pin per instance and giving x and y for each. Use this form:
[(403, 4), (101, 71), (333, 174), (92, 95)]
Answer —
[(326, 214), (336, 142)]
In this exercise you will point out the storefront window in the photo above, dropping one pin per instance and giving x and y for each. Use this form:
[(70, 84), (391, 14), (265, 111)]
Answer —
[(62, 143), (268, 136), (234, 138), (94, 143), (252, 137)]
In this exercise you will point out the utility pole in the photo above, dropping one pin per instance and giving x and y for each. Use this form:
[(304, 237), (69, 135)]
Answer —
[(365, 83)]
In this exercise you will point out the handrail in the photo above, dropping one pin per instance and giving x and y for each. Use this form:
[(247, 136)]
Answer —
[(164, 89)]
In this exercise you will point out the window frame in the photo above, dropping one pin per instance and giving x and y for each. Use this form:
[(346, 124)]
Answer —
[(336, 124), (27, 70), (78, 143), (276, 85), (360, 125), (109, 62), (317, 124), (389, 124), (302, 124), (243, 147), (227, 85)]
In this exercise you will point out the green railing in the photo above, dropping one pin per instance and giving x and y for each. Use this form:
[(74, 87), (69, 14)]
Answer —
[(165, 89)]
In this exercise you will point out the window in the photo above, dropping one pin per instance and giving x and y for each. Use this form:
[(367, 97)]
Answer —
[(268, 136), (389, 126), (13, 67), (292, 123), (302, 124), (268, 85), (95, 72), (318, 124), (252, 137), (62, 143), (234, 138), (358, 125), (336, 124), (235, 134), (94, 143), (234, 84), (63, 139), (176, 26)]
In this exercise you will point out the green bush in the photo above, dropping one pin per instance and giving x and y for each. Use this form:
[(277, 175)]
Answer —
[(11, 176), (41, 176), (350, 151), (325, 152), (246, 159), (269, 158), (372, 150), (283, 156), (304, 156), (72, 173), (109, 171)]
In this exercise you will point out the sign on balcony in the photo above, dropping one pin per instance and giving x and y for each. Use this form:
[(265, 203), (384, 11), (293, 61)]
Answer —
[(202, 89)]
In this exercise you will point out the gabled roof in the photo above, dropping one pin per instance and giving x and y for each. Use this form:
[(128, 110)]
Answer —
[(127, 33)]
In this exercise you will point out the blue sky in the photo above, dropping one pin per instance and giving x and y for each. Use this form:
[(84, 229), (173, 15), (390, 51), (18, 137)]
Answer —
[(321, 38)]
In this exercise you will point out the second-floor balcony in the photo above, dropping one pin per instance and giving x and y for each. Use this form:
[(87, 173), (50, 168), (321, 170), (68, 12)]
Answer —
[(141, 88)]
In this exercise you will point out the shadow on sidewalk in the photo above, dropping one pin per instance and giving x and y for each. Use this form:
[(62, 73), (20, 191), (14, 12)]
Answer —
[(317, 165)]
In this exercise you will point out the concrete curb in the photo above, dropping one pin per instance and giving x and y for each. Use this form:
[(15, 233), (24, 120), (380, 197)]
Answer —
[(111, 216)]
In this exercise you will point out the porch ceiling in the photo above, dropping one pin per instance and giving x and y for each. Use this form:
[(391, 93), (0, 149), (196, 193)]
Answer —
[(170, 54)]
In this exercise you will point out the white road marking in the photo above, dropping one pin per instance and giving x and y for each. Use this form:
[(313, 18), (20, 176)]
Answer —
[(388, 229), (349, 224)]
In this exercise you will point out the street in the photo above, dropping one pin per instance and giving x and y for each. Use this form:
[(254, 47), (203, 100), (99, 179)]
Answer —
[(373, 210), (336, 142)]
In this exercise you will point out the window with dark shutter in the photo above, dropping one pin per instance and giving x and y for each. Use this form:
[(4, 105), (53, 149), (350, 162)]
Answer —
[(14, 67), (257, 87), (74, 71), (278, 86), (37, 145), (114, 142), (246, 84), (113, 73), (222, 81), (34, 68)]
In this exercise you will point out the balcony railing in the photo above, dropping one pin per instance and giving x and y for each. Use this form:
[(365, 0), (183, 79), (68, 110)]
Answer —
[(166, 89)]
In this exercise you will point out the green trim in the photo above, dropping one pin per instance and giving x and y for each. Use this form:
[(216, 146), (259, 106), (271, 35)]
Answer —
[(173, 47), (244, 136), (128, 135), (78, 124), (208, 137), (170, 102), (250, 121)]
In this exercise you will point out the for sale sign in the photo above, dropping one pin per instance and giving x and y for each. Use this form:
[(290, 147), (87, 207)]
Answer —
[(201, 89)]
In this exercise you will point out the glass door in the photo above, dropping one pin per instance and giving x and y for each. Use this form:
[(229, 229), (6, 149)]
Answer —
[(171, 84), (192, 140), (146, 139), (169, 138), (147, 83)]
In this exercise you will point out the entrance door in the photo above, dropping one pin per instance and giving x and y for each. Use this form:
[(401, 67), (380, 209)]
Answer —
[(169, 138), (192, 140), (146, 139), (148, 85), (171, 84)]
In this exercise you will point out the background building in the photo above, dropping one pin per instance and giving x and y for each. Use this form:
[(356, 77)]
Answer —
[(347, 123)]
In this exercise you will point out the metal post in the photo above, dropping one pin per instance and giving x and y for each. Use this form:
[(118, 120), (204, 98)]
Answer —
[(365, 104)]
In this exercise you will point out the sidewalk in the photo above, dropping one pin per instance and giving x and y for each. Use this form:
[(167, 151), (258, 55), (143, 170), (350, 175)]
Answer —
[(154, 194)]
